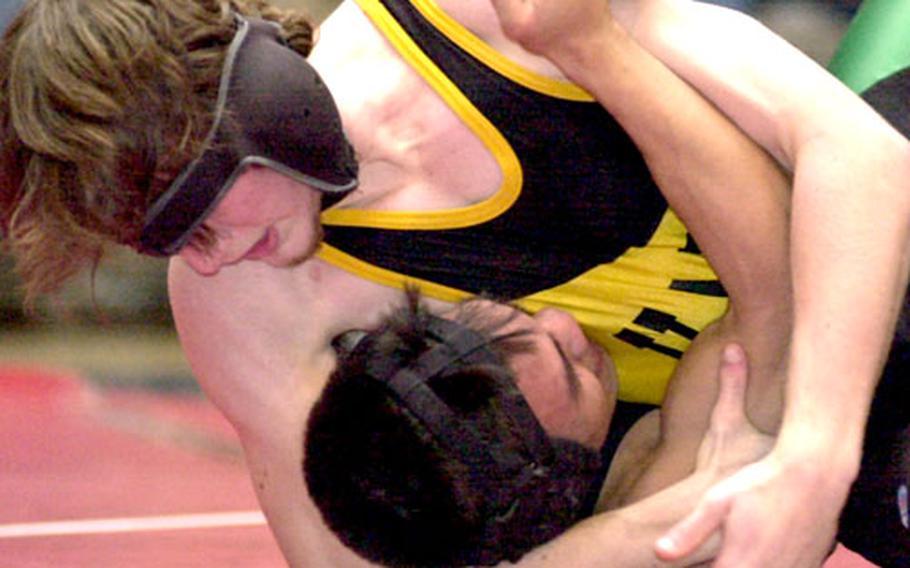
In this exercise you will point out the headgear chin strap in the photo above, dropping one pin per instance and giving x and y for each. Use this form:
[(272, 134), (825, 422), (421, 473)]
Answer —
[(272, 110)]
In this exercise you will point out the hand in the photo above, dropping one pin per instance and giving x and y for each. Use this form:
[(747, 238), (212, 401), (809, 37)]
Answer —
[(776, 512), (542, 26), (771, 514), (732, 441)]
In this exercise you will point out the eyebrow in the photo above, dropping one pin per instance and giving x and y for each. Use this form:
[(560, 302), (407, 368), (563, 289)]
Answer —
[(571, 376)]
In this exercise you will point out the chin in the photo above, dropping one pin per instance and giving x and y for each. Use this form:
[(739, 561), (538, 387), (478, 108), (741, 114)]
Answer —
[(293, 260), (299, 247)]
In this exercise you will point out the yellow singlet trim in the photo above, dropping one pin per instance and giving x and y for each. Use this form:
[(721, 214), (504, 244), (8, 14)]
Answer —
[(379, 275), (495, 60), (502, 152)]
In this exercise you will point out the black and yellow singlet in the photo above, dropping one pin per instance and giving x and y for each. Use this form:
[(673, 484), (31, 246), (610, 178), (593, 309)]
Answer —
[(577, 224)]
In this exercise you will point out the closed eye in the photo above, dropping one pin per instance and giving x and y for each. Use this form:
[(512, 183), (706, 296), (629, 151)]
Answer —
[(571, 377)]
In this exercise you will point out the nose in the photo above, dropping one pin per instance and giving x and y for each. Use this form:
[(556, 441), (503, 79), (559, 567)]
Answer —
[(205, 263), (563, 327)]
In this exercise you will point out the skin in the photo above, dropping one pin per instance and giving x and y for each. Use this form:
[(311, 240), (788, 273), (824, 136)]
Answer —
[(569, 382), (265, 216), (264, 360), (840, 210)]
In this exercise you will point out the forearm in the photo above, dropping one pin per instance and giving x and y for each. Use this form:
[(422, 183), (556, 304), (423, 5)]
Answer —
[(850, 258), (850, 206), (624, 538), (305, 541), (728, 191), (706, 167)]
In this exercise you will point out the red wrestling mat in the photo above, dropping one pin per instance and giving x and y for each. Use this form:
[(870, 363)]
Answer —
[(121, 478)]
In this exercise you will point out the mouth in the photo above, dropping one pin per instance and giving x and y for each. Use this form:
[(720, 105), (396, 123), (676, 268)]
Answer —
[(264, 246), (600, 364)]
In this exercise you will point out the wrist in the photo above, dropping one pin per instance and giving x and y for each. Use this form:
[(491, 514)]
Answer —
[(597, 51), (818, 457)]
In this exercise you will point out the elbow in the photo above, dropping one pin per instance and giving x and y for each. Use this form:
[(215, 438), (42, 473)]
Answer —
[(765, 305)]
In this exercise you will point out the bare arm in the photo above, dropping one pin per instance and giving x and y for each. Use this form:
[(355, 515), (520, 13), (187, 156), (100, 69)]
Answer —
[(706, 166), (730, 193), (263, 369), (850, 209), (850, 205), (849, 247), (621, 538)]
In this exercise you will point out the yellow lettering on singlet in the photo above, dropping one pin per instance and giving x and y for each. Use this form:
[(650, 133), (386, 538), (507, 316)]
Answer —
[(608, 300)]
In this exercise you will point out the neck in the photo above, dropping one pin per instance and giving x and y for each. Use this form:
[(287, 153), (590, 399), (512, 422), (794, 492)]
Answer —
[(633, 457), (370, 84), (402, 130)]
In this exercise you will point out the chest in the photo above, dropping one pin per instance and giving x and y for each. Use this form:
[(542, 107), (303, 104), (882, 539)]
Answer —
[(416, 151)]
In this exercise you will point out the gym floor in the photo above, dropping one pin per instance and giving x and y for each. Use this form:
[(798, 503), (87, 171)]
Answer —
[(112, 458)]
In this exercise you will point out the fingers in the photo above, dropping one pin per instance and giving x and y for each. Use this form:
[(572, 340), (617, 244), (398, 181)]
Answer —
[(689, 534), (686, 536), (729, 410)]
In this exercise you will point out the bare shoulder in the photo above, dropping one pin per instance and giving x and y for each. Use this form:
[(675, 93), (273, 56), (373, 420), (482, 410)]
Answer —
[(259, 338), (477, 16)]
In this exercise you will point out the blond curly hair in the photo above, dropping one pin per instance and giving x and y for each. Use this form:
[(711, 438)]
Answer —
[(102, 103)]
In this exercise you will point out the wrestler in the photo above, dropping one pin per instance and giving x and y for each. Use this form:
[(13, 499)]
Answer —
[(474, 437), (104, 139)]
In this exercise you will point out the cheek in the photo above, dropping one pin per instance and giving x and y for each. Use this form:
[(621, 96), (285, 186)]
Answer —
[(234, 216), (558, 414), (548, 400), (598, 411), (558, 419)]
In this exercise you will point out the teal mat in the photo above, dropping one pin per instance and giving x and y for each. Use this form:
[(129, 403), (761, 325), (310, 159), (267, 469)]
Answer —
[(876, 45)]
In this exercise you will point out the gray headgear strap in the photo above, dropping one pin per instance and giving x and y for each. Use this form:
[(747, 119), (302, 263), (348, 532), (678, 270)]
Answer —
[(489, 461), (272, 110)]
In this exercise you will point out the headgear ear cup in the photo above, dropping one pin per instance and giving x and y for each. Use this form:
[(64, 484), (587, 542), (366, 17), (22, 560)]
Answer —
[(272, 110)]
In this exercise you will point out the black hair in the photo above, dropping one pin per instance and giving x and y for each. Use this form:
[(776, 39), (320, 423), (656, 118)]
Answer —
[(397, 493)]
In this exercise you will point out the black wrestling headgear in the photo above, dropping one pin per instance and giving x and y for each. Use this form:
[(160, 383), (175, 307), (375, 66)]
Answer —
[(513, 480), (272, 110), (458, 346)]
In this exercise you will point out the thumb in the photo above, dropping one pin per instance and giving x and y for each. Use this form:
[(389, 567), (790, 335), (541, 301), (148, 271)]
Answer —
[(686, 536), (729, 409)]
